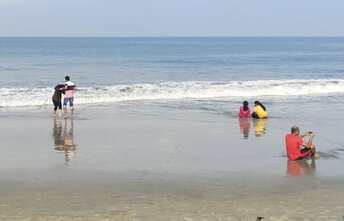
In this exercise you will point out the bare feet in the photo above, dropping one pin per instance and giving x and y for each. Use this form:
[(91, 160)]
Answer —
[(316, 156)]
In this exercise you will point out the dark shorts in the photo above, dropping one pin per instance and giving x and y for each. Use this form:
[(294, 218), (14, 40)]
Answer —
[(306, 152), (57, 104)]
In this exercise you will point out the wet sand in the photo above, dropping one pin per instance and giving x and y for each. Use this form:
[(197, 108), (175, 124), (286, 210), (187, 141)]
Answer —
[(137, 163)]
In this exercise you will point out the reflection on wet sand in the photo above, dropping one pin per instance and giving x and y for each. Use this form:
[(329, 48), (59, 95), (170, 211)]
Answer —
[(301, 167), (64, 138), (245, 125), (259, 126)]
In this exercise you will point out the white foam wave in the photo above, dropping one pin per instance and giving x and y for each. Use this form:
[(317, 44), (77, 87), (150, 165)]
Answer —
[(16, 97)]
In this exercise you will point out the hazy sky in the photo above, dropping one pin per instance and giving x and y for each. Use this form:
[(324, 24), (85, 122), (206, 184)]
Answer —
[(171, 17)]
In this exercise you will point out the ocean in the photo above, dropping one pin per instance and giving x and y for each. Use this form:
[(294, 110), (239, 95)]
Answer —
[(202, 73), (155, 135)]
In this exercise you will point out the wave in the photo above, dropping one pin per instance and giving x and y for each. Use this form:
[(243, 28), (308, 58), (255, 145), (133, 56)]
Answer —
[(17, 97)]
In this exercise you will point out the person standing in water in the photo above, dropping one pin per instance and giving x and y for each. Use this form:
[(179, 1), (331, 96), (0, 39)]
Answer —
[(69, 89), (57, 97)]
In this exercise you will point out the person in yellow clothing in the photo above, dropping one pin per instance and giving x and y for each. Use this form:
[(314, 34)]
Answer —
[(259, 110)]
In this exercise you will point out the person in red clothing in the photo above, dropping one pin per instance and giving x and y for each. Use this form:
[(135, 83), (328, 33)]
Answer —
[(244, 111), (297, 149)]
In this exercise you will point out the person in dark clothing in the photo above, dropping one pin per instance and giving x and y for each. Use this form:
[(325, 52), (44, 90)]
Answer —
[(59, 89)]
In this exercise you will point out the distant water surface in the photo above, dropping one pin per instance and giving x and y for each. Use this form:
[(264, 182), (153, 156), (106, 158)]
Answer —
[(108, 70)]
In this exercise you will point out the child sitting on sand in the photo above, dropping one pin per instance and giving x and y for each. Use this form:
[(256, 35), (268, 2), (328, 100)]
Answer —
[(245, 110), (59, 89)]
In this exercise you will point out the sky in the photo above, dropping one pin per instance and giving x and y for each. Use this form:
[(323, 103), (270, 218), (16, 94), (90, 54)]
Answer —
[(170, 18)]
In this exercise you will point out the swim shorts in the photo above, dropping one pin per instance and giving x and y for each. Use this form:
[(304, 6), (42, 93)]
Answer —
[(70, 100), (305, 152)]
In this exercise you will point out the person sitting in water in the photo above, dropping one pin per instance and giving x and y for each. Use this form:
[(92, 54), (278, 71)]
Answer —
[(297, 149), (245, 110), (259, 110)]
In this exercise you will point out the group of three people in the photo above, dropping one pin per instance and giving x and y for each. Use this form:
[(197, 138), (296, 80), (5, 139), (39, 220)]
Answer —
[(296, 148), (68, 89)]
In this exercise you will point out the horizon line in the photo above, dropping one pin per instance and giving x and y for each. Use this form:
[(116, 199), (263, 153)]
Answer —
[(258, 36)]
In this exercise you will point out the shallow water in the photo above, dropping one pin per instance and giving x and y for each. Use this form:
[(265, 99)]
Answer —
[(133, 162), (133, 137)]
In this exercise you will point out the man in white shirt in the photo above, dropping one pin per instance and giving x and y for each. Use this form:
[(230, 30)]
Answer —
[(69, 90)]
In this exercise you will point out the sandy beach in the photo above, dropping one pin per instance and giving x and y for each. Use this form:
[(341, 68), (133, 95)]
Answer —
[(157, 87), (138, 162)]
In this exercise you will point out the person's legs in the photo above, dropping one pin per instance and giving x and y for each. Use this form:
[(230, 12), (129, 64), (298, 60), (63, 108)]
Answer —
[(71, 104), (307, 152), (65, 101), (60, 108), (313, 153), (55, 108)]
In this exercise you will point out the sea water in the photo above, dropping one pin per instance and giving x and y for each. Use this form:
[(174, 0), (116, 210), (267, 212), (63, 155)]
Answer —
[(300, 81), (111, 70), (214, 74), (201, 73)]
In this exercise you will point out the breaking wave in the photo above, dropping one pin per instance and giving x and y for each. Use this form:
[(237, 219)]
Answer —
[(18, 97)]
